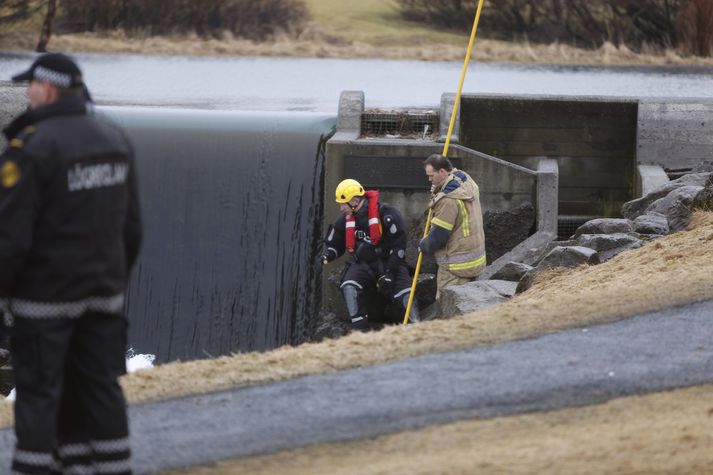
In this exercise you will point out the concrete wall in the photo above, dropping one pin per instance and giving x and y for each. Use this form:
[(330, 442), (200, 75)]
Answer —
[(12, 102), (676, 134), (593, 140)]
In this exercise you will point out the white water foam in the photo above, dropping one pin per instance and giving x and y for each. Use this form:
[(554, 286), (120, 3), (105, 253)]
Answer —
[(134, 362)]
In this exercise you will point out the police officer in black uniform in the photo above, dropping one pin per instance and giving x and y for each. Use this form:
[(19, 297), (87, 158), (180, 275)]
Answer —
[(375, 236), (69, 235)]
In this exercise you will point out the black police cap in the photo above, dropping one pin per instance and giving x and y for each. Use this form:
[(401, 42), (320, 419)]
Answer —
[(56, 68)]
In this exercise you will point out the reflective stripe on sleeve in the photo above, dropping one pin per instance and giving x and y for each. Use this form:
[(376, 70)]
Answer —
[(373, 221), (466, 223), (442, 224)]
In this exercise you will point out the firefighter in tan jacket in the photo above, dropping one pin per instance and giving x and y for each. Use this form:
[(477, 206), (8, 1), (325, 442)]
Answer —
[(456, 235)]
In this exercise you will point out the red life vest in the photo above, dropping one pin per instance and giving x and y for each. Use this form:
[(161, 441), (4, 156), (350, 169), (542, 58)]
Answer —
[(374, 222)]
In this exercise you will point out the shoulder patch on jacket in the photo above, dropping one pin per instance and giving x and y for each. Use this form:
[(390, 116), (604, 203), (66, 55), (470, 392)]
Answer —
[(21, 138), (9, 174)]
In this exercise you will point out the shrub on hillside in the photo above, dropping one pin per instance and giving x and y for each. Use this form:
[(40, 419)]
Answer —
[(695, 27), (252, 19), (16, 10), (635, 23)]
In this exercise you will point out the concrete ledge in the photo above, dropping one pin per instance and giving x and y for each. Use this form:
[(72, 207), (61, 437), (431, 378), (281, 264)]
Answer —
[(547, 195), (649, 177), (351, 107), (444, 118)]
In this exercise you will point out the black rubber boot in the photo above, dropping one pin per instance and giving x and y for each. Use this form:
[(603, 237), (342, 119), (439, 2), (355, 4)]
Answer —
[(361, 323)]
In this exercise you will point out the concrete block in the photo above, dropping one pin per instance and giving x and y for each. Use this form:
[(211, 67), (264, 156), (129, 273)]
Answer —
[(351, 107), (649, 177), (445, 113), (547, 195)]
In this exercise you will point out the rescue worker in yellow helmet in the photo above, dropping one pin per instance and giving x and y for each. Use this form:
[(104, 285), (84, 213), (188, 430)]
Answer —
[(456, 236), (374, 235)]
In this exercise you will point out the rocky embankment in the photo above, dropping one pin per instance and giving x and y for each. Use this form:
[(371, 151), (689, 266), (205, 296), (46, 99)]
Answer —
[(665, 210)]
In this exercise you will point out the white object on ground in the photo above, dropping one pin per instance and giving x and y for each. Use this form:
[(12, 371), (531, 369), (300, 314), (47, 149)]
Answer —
[(134, 362)]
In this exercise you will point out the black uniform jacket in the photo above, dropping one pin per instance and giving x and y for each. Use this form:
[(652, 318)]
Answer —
[(391, 248), (70, 225)]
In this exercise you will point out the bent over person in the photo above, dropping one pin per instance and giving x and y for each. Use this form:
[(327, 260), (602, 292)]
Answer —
[(456, 236), (69, 235), (374, 235)]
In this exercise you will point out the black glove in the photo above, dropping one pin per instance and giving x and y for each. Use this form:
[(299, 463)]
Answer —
[(385, 284)]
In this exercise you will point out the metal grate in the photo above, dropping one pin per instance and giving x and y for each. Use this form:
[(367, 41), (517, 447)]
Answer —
[(567, 225), (394, 124)]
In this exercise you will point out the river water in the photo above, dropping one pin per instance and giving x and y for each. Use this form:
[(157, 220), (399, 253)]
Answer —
[(303, 84)]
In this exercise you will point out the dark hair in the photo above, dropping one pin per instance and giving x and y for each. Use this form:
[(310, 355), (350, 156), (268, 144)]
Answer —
[(438, 162)]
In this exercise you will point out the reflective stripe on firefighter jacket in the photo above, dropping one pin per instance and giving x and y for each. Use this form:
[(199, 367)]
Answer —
[(456, 208)]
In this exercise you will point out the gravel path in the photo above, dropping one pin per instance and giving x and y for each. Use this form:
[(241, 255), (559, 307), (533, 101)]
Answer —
[(647, 353)]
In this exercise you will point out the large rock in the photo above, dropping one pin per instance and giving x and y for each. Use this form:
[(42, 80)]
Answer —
[(569, 256), (512, 271), (529, 252), (329, 326), (473, 296), (559, 256), (676, 206), (506, 229), (605, 226), (608, 245), (651, 223), (639, 206)]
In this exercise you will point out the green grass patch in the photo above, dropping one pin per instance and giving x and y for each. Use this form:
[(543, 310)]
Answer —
[(376, 22)]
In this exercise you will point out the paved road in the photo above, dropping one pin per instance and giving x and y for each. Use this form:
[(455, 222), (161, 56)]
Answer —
[(576, 367)]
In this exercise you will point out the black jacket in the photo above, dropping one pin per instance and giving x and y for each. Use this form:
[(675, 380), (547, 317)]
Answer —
[(70, 225), (391, 248)]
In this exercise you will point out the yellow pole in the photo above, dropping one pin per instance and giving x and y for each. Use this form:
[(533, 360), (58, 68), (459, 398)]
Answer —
[(445, 151)]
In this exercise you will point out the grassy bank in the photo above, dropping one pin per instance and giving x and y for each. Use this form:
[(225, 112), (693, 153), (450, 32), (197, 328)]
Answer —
[(347, 29), (671, 271), (666, 433)]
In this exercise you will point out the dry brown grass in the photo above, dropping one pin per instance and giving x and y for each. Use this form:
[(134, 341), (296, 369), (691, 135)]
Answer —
[(314, 44), (663, 433), (671, 271)]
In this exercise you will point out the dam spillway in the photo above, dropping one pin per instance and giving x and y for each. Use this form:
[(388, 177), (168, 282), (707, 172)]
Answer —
[(229, 201)]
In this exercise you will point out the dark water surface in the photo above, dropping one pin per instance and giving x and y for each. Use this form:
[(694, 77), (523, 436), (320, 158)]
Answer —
[(229, 202), (307, 84)]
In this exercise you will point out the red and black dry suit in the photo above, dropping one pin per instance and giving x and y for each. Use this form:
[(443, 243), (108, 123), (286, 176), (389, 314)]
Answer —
[(69, 234), (369, 263)]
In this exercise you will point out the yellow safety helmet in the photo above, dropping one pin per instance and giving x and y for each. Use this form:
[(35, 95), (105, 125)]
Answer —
[(348, 189)]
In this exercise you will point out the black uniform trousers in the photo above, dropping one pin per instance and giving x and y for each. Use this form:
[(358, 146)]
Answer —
[(70, 412), (365, 275)]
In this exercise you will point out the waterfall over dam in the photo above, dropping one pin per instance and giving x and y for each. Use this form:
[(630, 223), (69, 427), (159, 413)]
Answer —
[(231, 207)]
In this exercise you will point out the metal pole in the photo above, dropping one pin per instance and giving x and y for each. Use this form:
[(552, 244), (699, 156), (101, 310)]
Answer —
[(445, 151)]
